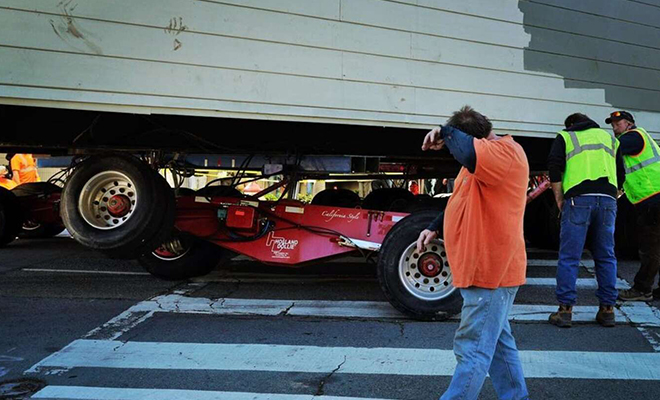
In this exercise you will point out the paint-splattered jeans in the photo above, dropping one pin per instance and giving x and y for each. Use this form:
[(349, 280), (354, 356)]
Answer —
[(484, 345)]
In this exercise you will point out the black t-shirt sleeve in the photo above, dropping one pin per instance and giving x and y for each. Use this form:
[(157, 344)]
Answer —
[(557, 159), (620, 169), (631, 143)]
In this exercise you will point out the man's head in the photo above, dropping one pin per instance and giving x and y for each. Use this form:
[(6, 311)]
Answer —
[(621, 121), (471, 122), (576, 118)]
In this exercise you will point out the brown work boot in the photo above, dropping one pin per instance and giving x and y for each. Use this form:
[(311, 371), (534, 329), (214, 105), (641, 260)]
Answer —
[(633, 294), (563, 318), (605, 316)]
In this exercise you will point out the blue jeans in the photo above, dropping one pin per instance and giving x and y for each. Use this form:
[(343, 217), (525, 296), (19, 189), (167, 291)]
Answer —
[(484, 344), (595, 215)]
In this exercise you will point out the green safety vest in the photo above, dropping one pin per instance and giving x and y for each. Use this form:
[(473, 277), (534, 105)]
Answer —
[(642, 170), (590, 155)]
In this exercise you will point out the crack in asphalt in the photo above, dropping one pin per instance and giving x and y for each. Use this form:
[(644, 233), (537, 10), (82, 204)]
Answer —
[(160, 305), (286, 311), (319, 390), (214, 302), (121, 344), (402, 328)]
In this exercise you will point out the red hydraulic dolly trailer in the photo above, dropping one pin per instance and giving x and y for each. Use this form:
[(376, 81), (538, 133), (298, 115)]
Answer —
[(119, 205), (290, 233)]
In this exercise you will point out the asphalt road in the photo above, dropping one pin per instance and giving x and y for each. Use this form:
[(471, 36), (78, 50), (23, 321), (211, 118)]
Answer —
[(87, 327)]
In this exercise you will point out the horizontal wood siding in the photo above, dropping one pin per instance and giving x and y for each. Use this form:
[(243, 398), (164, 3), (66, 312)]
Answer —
[(526, 65)]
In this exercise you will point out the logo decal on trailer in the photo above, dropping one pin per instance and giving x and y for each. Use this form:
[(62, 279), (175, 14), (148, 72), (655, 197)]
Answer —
[(330, 215), (280, 245)]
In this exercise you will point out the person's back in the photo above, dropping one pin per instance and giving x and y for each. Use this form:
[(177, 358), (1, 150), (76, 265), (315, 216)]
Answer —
[(24, 169), (586, 170), (484, 217)]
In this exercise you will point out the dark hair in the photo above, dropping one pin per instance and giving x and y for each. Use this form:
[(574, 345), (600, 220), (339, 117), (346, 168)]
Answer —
[(575, 119), (471, 122)]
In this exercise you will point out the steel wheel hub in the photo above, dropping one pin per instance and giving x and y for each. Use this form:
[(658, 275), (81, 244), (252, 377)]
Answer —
[(108, 200), (119, 205), (430, 265), (426, 274)]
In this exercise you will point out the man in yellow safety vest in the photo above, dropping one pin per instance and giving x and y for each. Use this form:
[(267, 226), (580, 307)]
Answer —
[(641, 156), (586, 170)]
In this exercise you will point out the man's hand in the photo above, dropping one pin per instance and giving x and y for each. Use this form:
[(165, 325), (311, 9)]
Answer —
[(559, 194), (432, 140), (425, 237)]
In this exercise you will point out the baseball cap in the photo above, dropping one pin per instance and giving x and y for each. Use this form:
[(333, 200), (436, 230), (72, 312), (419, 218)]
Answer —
[(618, 115)]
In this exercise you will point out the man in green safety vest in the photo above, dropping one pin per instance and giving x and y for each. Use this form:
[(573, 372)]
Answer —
[(586, 171), (641, 156)]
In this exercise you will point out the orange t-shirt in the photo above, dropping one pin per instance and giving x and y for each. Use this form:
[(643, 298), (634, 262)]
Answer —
[(24, 168), (483, 224)]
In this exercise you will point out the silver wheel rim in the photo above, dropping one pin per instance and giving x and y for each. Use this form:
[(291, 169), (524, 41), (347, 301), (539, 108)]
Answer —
[(98, 192), (427, 288), (175, 247)]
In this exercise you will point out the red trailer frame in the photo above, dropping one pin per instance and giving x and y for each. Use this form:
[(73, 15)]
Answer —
[(285, 232)]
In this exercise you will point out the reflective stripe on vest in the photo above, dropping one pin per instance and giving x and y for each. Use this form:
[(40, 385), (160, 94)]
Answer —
[(593, 159), (642, 177), (577, 148), (648, 141)]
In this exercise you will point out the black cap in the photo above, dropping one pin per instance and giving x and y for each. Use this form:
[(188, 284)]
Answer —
[(618, 115)]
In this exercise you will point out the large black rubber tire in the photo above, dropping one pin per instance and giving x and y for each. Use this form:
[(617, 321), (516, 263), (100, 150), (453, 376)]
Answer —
[(35, 189), (397, 240), (200, 259), (167, 223), (150, 222), (41, 231), (38, 230), (422, 203), (11, 217), (337, 198), (388, 199)]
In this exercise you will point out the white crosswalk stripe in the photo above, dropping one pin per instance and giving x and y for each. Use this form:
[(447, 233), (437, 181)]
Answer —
[(102, 348), (99, 393), (351, 360), (638, 313)]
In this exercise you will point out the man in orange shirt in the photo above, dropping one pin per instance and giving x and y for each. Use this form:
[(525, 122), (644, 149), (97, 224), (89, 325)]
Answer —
[(483, 228), (24, 168)]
